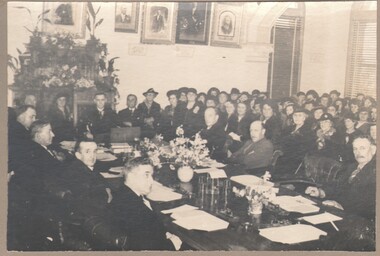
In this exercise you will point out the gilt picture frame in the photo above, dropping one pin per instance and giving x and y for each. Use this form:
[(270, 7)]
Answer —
[(65, 17), (227, 24), (127, 17), (193, 23), (159, 23)]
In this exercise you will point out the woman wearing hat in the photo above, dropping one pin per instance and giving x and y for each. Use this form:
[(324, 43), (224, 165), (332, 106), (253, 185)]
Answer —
[(174, 111), (327, 138), (348, 136), (61, 118), (295, 143), (149, 114)]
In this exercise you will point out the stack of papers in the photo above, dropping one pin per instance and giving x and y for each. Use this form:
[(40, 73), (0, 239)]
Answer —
[(118, 169), (321, 218), (251, 181), (105, 157), (68, 145), (292, 234), (108, 175), (162, 193), (212, 163), (296, 204), (189, 217), (213, 172)]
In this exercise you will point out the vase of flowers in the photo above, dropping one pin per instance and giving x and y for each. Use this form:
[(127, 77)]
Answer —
[(185, 173), (187, 153), (257, 195)]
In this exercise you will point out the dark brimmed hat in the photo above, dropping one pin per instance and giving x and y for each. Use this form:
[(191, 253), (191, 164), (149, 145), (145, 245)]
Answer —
[(60, 95), (235, 91), (318, 107), (335, 92), (172, 92), (325, 95), (326, 116), (151, 90), (300, 110), (364, 109), (350, 116), (183, 90), (255, 92), (193, 90)]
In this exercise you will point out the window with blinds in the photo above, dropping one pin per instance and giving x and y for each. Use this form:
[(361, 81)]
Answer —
[(285, 61), (362, 66)]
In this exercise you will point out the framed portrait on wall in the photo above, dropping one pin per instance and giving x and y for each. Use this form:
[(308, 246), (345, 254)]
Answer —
[(159, 23), (227, 24), (193, 23), (127, 16), (65, 17)]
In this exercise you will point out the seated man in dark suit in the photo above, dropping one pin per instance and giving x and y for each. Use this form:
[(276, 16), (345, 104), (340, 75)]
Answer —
[(99, 120), (89, 199), (256, 153), (19, 136), (355, 190), (131, 211), (214, 134), (129, 116), (33, 189)]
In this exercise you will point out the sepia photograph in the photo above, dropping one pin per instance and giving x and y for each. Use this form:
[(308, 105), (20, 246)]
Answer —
[(159, 23), (127, 17), (223, 126), (193, 23), (227, 24), (64, 17)]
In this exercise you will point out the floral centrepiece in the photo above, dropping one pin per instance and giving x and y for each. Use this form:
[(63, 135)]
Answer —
[(186, 151), (257, 195)]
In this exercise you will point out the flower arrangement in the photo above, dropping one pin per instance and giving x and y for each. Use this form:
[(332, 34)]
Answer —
[(257, 193), (187, 152), (151, 150)]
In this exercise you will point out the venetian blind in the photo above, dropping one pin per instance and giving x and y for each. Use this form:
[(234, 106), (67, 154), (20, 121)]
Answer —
[(362, 59)]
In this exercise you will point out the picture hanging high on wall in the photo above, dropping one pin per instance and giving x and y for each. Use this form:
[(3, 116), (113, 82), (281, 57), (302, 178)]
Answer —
[(193, 23), (65, 17), (227, 23), (127, 16), (159, 23)]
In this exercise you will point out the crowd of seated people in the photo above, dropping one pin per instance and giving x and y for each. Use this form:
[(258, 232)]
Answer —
[(243, 128)]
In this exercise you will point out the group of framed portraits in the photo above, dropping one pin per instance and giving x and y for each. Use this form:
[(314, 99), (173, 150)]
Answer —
[(162, 22)]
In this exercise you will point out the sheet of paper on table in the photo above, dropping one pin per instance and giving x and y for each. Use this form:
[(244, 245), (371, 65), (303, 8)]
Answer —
[(321, 218), (199, 220), (108, 175), (182, 208), (296, 204), (213, 164), (105, 157), (162, 193), (68, 145), (292, 234), (117, 169), (250, 180), (214, 172)]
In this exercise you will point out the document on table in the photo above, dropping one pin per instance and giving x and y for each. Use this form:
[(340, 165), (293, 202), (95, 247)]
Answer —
[(108, 175), (292, 234), (162, 193), (214, 172), (182, 208), (250, 180), (105, 157), (199, 220), (296, 204), (321, 218)]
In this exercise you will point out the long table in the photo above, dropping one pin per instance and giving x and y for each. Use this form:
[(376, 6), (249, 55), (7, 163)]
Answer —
[(355, 233)]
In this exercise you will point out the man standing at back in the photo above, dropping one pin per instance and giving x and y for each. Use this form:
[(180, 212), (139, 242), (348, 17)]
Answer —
[(99, 120), (129, 116)]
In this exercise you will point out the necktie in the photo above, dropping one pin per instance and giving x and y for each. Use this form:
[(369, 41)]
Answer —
[(101, 114), (353, 175), (147, 203)]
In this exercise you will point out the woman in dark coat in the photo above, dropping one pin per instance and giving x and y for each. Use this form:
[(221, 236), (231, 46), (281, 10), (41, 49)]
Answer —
[(271, 121), (61, 119), (236, 139)]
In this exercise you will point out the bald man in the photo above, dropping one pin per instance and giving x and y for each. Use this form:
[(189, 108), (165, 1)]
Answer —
[(256, 153)]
